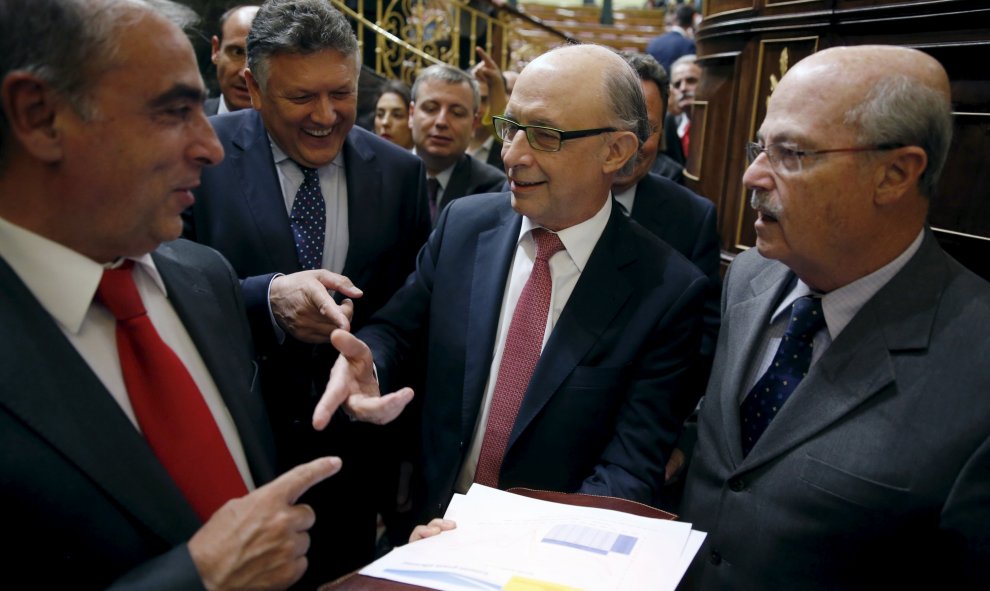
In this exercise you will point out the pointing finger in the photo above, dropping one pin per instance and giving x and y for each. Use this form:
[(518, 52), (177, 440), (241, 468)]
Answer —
[(291, 485)]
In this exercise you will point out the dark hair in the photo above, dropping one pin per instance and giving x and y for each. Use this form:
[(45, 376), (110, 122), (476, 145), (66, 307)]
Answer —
[(395, 87), (684, 16), (296, 26), (649, 70)]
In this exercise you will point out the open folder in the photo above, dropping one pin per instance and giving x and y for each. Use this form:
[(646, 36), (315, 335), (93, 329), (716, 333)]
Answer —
[(512, 542)]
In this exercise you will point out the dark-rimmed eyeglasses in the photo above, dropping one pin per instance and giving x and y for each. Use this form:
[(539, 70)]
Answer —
[(784, 159), (545, 139)]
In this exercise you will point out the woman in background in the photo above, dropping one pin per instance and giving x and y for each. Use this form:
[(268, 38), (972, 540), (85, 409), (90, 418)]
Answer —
[(392, 114)]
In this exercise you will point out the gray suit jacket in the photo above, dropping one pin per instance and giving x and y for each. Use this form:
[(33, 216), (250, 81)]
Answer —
[(85, 502), (876, 473)]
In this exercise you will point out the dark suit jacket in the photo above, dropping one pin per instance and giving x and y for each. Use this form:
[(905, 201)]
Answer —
[(495, 156), (470, 177), (85, 501), (687, 222), (876, 472), (211, 105), (670, 46), (672, 146), (598, 416), (240, 212)]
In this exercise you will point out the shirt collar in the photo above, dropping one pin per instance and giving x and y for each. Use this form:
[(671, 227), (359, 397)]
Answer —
[(580, 239), (280, 156), (443, 177), (61, 279), (222, 106), (627, 198), (841, 305)]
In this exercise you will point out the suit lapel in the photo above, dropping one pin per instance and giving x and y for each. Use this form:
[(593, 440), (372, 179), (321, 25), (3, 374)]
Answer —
[(598, 296), (858, 364), (253, 161), (202, 316), (493, 257), (749, 319), (365, 203), (72, 411), (649, 203), (460, 178)]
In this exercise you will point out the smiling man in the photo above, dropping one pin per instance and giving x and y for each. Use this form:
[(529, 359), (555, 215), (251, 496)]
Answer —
[(305, 193), (444, 111), (557, 332)]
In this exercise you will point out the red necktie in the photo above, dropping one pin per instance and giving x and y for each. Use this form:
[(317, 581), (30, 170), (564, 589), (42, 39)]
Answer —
[(169, 407), (523, 345), (686, 138)]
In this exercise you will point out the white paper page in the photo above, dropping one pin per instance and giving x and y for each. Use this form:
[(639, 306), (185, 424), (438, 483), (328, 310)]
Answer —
[(506, 542)]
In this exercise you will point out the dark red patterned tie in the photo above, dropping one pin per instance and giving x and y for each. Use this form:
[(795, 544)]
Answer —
[(523, 345), (169, 407)]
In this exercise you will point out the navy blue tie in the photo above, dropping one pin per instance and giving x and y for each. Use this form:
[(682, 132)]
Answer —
[(308, 219), (789, 366)]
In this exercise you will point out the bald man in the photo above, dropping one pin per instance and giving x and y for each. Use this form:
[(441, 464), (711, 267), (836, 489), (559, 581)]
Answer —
[(581, 395), (228, 52), (844, 440)]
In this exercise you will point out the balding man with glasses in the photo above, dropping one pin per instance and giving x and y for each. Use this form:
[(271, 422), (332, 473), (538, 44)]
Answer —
[(557, 333), (844, 439)]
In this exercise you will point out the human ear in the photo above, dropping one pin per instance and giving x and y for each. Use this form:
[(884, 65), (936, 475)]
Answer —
[(254, 89), (622, 146), (899, 173), (31, 107), (215, 49)]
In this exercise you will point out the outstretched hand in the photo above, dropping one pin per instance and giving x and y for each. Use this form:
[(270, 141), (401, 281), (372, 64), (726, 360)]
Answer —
[(303, 306), (353, 384)]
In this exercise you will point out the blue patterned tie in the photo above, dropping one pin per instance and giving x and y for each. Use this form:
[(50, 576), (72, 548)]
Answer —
[(789, 366), (308, 219)]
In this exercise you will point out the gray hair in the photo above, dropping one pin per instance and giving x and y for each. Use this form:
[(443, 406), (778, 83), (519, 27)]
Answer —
[(70, 43), (625, 100), (450, 75), (687, 59), (900, 111), (649, 70), (297, 27)]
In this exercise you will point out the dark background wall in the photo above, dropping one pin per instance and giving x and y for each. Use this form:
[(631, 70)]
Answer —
[(209, 13)]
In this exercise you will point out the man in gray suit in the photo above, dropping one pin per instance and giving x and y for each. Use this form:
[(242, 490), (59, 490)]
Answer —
[(103, 137), (875, 471)]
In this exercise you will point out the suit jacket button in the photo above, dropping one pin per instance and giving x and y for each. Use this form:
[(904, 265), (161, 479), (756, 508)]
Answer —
[(715, 558), (736, 485)]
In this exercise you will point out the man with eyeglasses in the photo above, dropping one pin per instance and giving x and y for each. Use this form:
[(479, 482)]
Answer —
[(557, 332), (844, 440)]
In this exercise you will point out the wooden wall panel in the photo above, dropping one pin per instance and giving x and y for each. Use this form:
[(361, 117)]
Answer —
[(767, 36)]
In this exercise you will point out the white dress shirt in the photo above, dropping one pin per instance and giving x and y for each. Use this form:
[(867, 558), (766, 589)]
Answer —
[(333, 185), (565, 270), (64, 282), (839, 307)]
